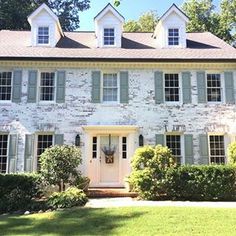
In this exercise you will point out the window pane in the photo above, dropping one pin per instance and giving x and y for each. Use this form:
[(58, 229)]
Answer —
[(173, 37), (217, 149), (173, 142), (171, 87), (47, 82), (3, 153), (110, 87), (213, 88), (43, 35), (5, 85), (109, 36)]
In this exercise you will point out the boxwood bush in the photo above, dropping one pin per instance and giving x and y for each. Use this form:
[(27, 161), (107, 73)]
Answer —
[(68, 198), (17, 191), (212, 182)]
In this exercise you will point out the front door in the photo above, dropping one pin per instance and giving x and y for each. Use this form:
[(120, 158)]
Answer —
[(109, 165)]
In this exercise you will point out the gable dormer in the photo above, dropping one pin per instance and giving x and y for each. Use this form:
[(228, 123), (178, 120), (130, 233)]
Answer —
[(170, 31), (108, 27), (46, 30)]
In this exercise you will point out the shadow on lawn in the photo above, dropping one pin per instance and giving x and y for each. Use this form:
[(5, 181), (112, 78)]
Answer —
[(82, 221)]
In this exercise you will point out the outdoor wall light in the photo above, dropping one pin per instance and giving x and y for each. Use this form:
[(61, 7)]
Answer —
[(77, 140), (140, 140)]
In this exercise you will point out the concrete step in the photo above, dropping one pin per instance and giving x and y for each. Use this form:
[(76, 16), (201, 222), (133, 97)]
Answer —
[(109, 192)]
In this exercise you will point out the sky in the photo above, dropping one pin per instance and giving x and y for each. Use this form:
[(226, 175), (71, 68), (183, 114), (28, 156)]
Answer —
[(130, 9)]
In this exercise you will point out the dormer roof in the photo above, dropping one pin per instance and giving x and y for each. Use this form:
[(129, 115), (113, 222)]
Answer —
[(176, 10), (44, 7), (105, 10)]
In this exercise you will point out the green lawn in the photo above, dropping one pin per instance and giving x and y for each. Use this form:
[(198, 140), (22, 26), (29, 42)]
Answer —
[(124, 221)]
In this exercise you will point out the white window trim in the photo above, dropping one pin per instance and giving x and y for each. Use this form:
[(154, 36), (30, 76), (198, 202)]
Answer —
[(180, 88), (222, 87), (181, 134), (167, 33), (118, 88), (37, 34), (109, 27), (35, 156), (8, 101), (225, 145), (42, 102)]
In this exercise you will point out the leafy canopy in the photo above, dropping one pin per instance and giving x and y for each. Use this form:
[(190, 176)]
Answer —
[(59, 164)]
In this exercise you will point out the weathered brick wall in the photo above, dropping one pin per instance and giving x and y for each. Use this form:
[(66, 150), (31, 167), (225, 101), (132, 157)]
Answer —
[(78, 111)]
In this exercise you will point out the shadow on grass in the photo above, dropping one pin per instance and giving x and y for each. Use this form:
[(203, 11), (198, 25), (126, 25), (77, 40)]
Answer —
[(80, 221)]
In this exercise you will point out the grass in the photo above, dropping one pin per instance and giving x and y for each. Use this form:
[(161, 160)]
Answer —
[(124, 221)]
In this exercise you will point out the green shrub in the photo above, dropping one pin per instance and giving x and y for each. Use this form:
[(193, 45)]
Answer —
[(80, 182), (66, 199), (17, 191), (149, 166), (232, 153), (212, 182)]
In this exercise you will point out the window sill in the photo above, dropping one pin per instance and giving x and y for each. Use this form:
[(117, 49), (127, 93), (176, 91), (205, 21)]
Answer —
[(5, 102), (45, 103)]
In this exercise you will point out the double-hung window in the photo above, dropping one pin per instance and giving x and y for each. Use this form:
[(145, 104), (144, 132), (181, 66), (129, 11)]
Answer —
[(47, 86), (44, 141), (43, 35), (110, 87), (173, 142), (5, 86), (171, 87), (3, 152), (213, 88), (217, 149), (173, 37), (109, 36)]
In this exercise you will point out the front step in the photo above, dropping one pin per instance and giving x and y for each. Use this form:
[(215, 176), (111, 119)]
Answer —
[(109, 192)]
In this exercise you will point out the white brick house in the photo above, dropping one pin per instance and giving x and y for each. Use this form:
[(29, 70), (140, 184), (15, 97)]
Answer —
[(166, 87)]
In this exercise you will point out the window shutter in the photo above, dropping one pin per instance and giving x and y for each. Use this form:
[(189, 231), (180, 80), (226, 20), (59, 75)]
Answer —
[(124, 87), (160, 139), (159, 94), (12, 153), (29, 152), (59, 139), (188, 147), (229, 87), (16, 90), (96, 87), (201, 87), (32, 86), (61, 86), (203, 146), (186, 86)]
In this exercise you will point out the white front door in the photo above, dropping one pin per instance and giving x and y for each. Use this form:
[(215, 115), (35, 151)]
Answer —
[(109, 166)]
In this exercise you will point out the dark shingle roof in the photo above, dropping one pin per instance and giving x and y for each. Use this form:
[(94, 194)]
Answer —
[(135, 46)]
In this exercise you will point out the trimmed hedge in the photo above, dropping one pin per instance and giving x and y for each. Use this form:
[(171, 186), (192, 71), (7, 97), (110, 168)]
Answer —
[(17, 191), (213, 182)]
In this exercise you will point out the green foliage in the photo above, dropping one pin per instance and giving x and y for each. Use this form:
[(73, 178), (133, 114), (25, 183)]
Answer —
[(149, 167), (232, 153), (212, 182), (14, 13), (203, 17), (146, 23), (17, 191), (116, 3), (69, 198), (80, 182), (58, 164)]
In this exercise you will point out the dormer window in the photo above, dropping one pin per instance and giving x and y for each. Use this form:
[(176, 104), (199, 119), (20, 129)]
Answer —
[(43, 35), (173, 37), (109, 36)]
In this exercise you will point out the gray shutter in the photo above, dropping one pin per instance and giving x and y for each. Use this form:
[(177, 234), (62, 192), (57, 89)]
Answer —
[(96, 87), (17, 83), (12, 153), (160, 139), (58, 139), (186, 86), (229, 87), (159, 93), (61, 86), (203, 147), (188, 148), (32, 86), (201, 87), (29, 153), (124, 87)]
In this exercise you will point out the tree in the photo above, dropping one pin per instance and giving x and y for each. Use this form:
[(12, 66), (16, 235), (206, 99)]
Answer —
[(203, 17), (146, 23), (58, 165), (232, 153), (13, 13)]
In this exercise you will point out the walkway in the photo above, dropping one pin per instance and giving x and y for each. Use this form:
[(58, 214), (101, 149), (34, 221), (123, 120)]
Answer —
[(130, 202)]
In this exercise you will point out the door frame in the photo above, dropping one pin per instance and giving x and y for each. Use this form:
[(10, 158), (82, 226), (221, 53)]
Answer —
[(92, 166)]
